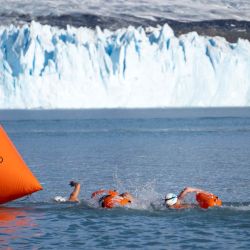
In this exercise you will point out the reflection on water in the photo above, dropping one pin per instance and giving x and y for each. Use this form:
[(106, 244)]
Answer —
[(13, 223)]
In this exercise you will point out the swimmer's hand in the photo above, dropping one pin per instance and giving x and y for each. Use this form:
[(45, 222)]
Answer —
[(72, 183)]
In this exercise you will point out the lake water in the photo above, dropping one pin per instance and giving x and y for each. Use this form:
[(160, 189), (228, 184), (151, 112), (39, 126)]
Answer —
[(146, 152)]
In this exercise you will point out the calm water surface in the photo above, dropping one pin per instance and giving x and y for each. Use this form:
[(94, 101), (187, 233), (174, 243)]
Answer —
[(146, 152)]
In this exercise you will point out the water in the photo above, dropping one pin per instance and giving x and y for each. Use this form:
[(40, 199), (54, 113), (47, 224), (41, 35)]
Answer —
[(146, 152)]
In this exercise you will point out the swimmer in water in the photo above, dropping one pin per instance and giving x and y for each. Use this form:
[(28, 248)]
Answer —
[(74, 195), (111, 198), (177, 201)]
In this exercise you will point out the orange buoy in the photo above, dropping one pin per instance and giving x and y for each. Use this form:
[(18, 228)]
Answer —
[(207, 200), (16, 179)]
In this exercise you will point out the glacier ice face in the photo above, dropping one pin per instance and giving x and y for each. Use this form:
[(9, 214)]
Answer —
[(46, 67)]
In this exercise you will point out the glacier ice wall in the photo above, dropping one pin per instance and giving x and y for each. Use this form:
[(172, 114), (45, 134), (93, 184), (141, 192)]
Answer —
[(46, 67)]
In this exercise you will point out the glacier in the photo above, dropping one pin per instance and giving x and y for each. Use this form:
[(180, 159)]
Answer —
[(44, 67)]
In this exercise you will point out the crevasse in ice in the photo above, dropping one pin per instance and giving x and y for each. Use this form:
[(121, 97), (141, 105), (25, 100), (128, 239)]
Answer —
[(46, 67)]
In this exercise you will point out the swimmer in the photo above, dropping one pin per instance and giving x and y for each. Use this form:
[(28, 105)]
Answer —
[(111, 198), (177, 201), (127, 196), (74, 195)]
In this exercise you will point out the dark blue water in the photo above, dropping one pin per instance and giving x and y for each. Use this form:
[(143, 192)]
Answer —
[(146, 152)]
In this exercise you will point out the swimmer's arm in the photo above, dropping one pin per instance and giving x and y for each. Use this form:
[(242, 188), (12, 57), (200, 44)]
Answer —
[(74, 195), (185, 206), (188, 190), (110, 192), (98, 193)]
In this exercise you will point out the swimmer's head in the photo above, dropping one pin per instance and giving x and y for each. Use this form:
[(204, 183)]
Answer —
[(72, 183), (127, 196), (170, 199)]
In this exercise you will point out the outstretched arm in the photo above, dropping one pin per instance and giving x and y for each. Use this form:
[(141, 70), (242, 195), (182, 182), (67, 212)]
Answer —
[(188, 190), (98, 192), (101, 191), (74, 195)]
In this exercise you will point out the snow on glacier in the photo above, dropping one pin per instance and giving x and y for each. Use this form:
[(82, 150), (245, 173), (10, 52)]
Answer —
[(46, 67)]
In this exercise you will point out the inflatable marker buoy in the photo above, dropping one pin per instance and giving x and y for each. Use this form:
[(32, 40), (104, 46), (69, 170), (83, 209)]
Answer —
[(207, 200), (16, 179)]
